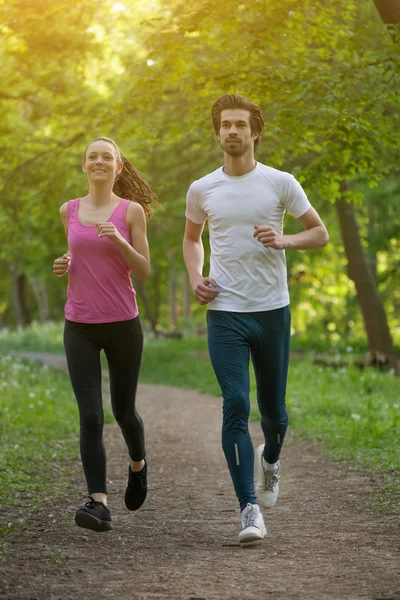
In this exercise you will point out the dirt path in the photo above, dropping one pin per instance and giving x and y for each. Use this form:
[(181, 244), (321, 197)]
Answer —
[(323, 541)]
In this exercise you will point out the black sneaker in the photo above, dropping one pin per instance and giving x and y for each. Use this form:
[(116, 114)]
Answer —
[(136, 491), (94, 515)]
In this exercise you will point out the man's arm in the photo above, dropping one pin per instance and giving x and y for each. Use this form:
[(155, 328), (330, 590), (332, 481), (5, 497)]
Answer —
[(193, 254), (314, 236), (193, 251)]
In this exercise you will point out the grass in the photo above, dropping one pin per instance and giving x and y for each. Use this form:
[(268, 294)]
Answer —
[(37, 338), (39, 437), (38, 427), (179, 363), (355, 414)]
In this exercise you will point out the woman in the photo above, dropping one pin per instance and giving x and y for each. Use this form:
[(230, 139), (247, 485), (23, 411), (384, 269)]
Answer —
[(106, 232)]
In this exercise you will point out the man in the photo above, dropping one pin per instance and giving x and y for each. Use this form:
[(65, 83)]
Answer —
[(246, 293)]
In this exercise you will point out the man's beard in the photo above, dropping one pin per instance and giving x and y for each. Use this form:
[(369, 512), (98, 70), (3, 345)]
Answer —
[(236, 149)]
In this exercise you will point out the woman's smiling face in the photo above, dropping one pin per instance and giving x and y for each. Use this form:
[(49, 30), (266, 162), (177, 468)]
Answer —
[(101, 162)]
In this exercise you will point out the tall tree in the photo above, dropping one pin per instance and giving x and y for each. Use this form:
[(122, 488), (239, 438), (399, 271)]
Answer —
[(324, 71)]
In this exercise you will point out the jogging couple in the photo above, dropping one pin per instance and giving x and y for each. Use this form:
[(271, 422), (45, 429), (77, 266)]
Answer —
[(246, 294)]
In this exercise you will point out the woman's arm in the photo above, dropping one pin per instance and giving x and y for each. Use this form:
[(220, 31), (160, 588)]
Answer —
[(61, 264), (136, 255)]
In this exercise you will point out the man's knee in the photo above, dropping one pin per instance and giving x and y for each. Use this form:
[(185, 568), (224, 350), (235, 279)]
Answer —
[(236, 411), (275, 419)]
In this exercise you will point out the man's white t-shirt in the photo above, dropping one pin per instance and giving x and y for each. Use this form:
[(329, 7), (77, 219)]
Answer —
[(251, 278)]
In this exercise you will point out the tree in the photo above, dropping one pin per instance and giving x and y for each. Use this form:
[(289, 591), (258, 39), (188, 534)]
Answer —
[(327, 78), (325, 73)]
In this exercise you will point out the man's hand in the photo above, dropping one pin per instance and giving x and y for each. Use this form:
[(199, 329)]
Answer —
[(269, 237), (206, 290), (61, 265), (109, 230)]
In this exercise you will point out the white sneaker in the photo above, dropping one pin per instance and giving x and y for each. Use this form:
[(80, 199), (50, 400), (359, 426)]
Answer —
[(253, 528), (267, 488)]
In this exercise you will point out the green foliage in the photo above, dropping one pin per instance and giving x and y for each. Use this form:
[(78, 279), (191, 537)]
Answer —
[(166, 362), (38, 432), (325, 73), (61, 561), (360, 407), (39, 436), (49, 338), (37, 338)]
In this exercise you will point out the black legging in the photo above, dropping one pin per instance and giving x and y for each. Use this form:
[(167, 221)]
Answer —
[(122, 343)]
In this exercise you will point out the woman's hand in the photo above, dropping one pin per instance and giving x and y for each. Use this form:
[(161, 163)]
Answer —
[(61, 265), (109, 230)]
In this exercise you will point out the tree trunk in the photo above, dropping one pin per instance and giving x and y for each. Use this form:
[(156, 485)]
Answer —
[(22, 314), (148, 313), (389, 11), (371, 253), (374, 315), (42, 298)]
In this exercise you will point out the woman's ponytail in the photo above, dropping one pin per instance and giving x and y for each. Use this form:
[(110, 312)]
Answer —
[(129, 184)]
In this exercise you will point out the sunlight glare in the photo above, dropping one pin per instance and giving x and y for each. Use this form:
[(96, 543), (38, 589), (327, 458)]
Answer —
[(118, 7)]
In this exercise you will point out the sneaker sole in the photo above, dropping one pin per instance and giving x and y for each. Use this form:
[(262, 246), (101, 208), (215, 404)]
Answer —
[(262, 503), (259, 490), (87, 521), (131, 505), (251, 539)]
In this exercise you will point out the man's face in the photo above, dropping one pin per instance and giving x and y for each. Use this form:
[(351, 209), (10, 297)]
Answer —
[(235, 134)]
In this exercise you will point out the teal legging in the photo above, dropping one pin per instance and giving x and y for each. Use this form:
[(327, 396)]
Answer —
[(232, 338)]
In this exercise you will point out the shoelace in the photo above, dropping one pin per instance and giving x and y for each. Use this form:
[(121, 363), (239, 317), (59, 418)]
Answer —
[(91, 503), (271, 480), (250, 520), (135, 478), (135, 481)]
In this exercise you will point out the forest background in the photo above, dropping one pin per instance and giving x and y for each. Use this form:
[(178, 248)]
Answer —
[(326, 74)]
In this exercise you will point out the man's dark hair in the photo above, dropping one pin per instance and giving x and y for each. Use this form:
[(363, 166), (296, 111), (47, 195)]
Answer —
[(231, 101)]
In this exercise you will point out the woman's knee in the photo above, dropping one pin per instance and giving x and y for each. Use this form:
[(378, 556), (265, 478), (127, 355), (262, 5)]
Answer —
[(92, 421), (126, 417)]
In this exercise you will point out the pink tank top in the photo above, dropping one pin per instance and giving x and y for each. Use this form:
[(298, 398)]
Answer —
[(99, 288)]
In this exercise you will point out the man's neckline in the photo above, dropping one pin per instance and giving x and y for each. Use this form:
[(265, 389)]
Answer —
[(240, 176)]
